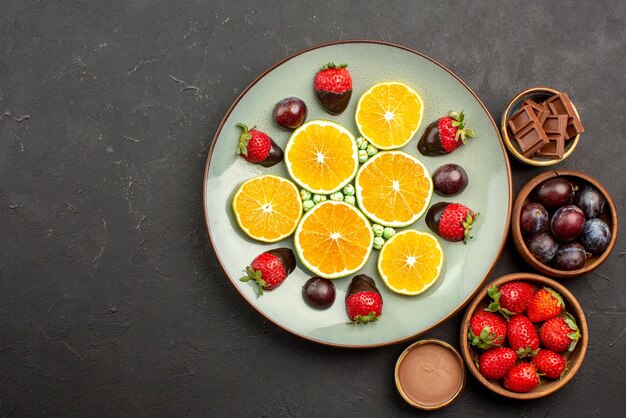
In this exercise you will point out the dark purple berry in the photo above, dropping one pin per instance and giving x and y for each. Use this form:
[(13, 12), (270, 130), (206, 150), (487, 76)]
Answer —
[(533, 218), (570, 256), (596, 236), (567, 223), (318, 293), (543, 246), (290, 112), (590, 201), (449, 180), (554, 193)]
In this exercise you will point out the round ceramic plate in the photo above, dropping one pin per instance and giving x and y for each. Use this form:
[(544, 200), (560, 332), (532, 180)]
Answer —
[(484, 159)]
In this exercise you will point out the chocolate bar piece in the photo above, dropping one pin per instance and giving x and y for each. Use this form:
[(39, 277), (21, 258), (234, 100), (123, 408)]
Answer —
[(560, 104), (540, 111), (555, 124), (522, 118), (531, 139), (553, 149)]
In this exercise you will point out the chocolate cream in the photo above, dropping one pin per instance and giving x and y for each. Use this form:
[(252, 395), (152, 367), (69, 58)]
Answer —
[(430, 374)]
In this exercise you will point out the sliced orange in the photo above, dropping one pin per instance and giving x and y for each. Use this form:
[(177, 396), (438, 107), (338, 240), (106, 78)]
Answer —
[(389, 114), (410, 262), (334, 239), (268, 208), (393, 188), (322, 156)]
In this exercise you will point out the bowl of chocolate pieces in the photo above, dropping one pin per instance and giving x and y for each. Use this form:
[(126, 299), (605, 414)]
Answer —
[(541, 126)]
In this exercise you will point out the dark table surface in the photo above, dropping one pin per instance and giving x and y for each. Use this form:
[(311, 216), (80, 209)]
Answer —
[(111, 299)]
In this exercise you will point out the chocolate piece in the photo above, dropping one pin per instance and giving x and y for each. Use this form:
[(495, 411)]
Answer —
[(522, 118), (287, 258), (555, 124), (334, 103), (531, 139), (361, 283), (560, 104), (540, 110), (274, 157), (430, 144), (553, 149)]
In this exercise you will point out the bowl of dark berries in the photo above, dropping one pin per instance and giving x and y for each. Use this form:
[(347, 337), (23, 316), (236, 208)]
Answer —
[(524, 336), (541, 126), (564, 223)]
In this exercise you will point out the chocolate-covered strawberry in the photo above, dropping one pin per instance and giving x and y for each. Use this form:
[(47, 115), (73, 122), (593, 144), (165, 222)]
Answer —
[(363, 301), (444, 135), (333, 87), (270, 269), (257, 147), (451, 221)]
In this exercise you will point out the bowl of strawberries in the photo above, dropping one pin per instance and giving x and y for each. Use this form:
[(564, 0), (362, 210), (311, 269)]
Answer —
[(524, 336)]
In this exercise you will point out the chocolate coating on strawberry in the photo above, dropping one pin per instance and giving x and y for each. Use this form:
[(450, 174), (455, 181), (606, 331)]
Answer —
[(451, 221), (364, 303), (361, 283), (444, 135), (287, 258), (270, 269), (333, 87), (258, 148)]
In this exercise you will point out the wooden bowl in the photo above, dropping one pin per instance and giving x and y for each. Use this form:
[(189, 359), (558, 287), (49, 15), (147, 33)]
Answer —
[(578, 178), (574, 359), (538, 94)]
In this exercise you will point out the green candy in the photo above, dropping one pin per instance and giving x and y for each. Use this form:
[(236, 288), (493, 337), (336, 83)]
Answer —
[(378, 230), (308, 205), (364, 145), (388, 233), (371, 150), (349, 190), (378, 243), (350, 199), (362, 156), (359, 141), (305, 194), (323, 197), (317, 198), (338, 196)]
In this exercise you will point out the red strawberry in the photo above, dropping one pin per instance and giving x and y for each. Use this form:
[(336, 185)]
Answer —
[(521, 378), (363, 301), (451, 221), (445, 135), (546, 304), (487, 329), (510, 298), (496, 362), (549, 363), (270, 269), (560, 334), (257, 147), (522, 336), (333, 87)]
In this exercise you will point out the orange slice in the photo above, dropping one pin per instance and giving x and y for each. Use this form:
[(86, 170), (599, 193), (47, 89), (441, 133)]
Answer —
[(267, 208), (393, 188), (322, 156), (334, 239), (389, 114), (410, 262)]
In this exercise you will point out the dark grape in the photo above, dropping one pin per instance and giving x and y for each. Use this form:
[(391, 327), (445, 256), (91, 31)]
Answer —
[(290, 112), (596, 236), (449, 180), (570, 256), (318, 293), (590, 201), (543, 246), (533, 218), (554, 193), (567, 223)]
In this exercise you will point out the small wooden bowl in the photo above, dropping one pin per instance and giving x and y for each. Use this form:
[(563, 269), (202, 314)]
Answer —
[(523, 197), (538, 94), (574, 359)]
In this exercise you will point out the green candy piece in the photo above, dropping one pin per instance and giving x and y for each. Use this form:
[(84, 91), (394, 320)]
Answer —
[(362, 156), (350, 199), (338, 196), (317, 198), (364, 145), (349, 190), (308, 205), (388, 233), (323, 198), (305, 194), (359, 141), (378, 243), (371, 150), (378, 230)]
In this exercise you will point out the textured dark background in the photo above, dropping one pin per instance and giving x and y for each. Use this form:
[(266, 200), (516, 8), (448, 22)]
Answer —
[(111, 299)]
